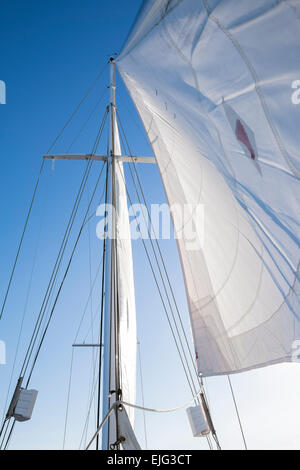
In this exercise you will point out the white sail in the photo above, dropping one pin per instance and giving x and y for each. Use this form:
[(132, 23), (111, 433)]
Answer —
[(126, 294), (216, 84)]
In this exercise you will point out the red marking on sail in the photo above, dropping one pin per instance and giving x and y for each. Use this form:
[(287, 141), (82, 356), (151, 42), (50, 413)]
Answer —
[(242, 136)]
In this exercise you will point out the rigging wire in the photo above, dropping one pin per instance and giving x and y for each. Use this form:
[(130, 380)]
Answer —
[(76, 337), (169, 283), (72, 358), (137, 122), (3, 430), (93, 391), (93, 364), (213, 431), (157, 262), (64, 277), (57, 266), (21, 240), (237, 412), (68, 400), (49, 300), (24, 315), (186, 366), (162, 299), (96, 378), (59, 259), (43, 336), (87, 303), (9, 434), (47, 297), (92, 395), (102, 308), (163, 263), (92, 289), (158, 247), (37, 185), (69, 388), (59, 291), (92, 284), (98, 138), (86, 121), (166, 312), (142, 391), (51, 285), (96, 311)]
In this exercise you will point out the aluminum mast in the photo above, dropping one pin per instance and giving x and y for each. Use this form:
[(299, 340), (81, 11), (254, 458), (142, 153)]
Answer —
[(110, 351)]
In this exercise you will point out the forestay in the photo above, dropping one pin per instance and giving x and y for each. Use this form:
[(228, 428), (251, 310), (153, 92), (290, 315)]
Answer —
[(215, 83)]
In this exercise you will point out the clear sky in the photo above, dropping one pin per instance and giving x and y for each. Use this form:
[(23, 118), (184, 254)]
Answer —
[(50, 53)]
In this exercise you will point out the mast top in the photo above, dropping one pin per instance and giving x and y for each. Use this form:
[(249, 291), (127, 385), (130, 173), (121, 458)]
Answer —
[(112, 62), (112, 57)]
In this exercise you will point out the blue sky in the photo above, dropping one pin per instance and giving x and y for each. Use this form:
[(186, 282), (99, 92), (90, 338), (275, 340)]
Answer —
[(51, 52)]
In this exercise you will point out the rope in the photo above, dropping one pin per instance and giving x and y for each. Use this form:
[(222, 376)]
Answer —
[(138, 407), (154, 410)]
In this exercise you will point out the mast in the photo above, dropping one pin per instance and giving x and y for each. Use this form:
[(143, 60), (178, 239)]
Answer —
[(117, 346), (110, 351)]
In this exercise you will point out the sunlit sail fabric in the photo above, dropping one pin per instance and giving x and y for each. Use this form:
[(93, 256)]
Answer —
[(126, 294), (215, 83)]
